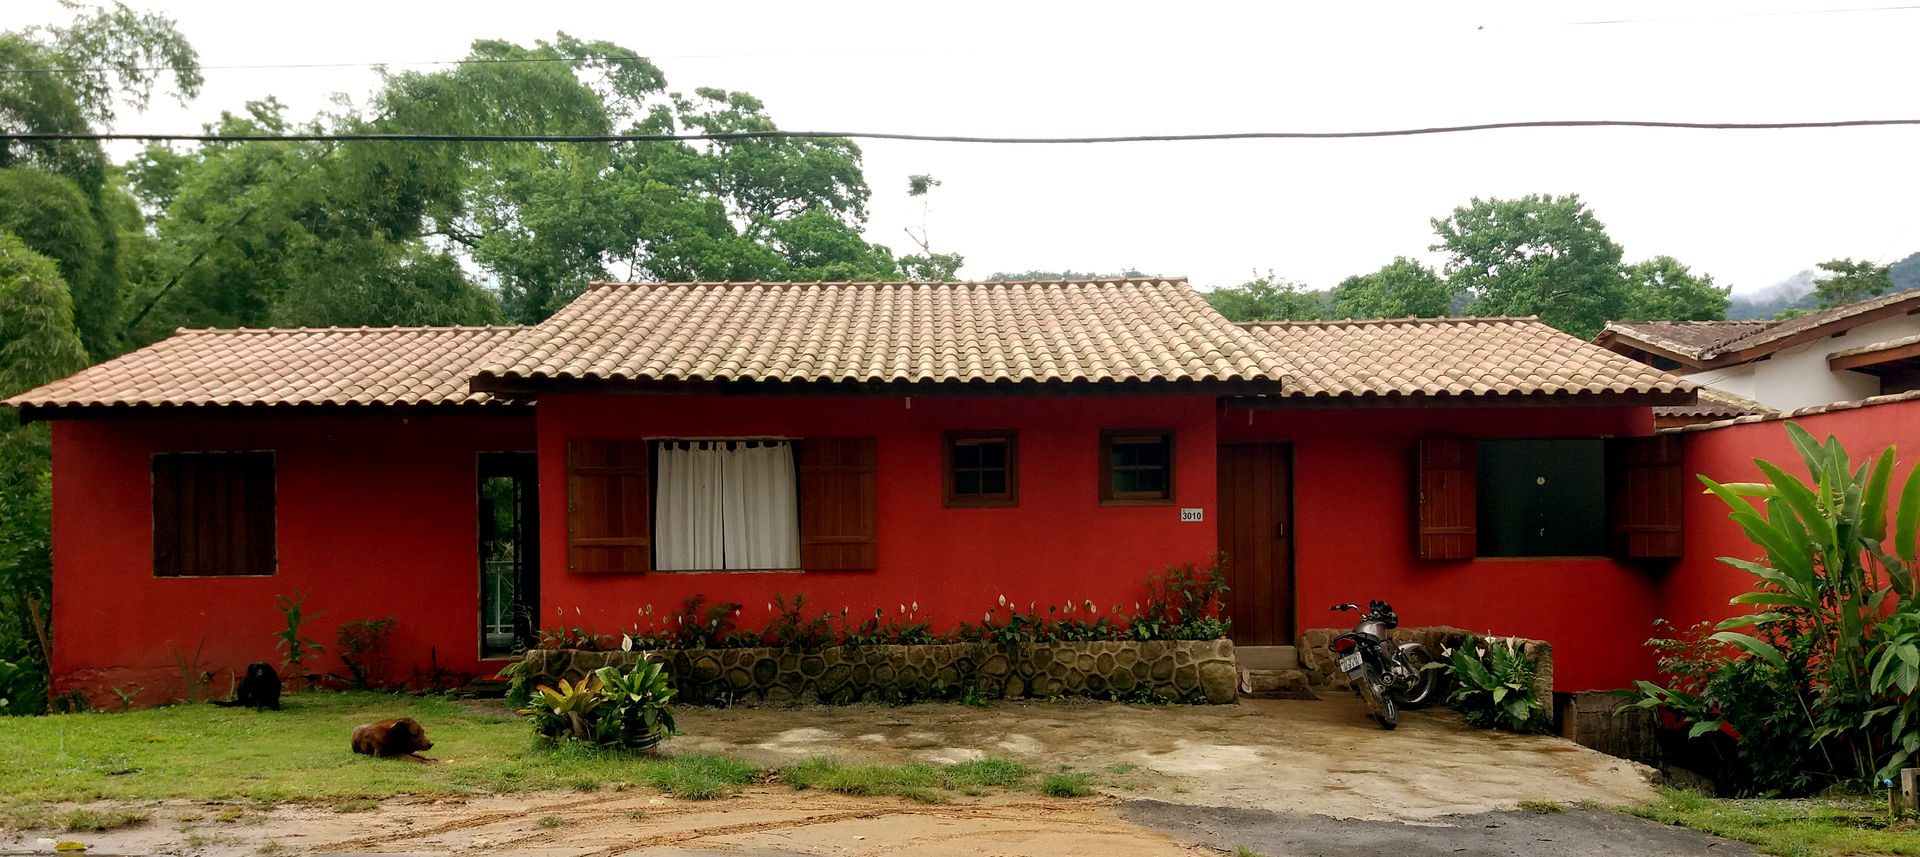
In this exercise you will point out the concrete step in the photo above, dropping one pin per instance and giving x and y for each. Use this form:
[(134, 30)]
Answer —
[(1275, 684), (1267, 657)]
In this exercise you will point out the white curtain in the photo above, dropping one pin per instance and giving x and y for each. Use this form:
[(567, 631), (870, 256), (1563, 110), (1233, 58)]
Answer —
[(762, 509), (725, 505), (687, 513)]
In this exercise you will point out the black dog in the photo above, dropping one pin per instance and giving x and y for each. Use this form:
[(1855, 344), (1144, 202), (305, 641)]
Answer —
[(260, 688)]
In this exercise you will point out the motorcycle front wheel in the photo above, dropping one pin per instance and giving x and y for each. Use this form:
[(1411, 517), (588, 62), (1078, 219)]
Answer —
[(1379, 703), (1428, 684)]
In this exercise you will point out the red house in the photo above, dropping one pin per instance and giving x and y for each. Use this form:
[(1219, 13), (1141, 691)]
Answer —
[(870, 444)]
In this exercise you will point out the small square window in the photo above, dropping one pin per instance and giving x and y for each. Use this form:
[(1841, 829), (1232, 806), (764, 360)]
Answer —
[(982, 468), (1136, 467)]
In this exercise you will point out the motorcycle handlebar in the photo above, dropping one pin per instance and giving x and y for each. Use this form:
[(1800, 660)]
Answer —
[(1343, 607)]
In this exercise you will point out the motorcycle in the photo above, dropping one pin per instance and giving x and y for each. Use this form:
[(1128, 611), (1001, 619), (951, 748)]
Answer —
[(1387, 677)]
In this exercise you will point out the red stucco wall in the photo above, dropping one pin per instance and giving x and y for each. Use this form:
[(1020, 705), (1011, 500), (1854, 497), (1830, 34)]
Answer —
[(1353, 537), (1698, 588), (1058, 545), (376, 517)]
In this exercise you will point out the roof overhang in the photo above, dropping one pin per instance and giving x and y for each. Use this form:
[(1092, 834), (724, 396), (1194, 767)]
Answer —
[(148, 410), (513, 387), (1625, 343), (1882, 358), (1490, 400)]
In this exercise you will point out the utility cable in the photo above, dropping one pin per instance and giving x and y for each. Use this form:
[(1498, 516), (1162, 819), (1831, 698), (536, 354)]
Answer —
[(946, 138)]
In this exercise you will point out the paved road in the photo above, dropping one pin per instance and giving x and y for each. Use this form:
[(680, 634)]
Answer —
[(1486, 834)]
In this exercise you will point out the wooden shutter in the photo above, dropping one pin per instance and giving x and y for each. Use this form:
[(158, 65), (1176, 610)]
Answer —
[(839, 504), (1646, 482), (1446, 515), (213, 514), (607, 519)]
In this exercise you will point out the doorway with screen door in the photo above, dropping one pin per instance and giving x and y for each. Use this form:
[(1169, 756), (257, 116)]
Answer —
[(509, 554)]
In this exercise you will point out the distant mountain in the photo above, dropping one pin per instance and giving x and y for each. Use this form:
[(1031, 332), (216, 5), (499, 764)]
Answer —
[(1906, 273), (1795, 292)]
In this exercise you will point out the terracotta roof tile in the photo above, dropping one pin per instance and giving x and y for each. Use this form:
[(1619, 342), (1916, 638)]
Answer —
[(1832, 407), (285, 366), (1714, 404), (1706, 340), (1116, 330), (1689, 338), (1451, 356)]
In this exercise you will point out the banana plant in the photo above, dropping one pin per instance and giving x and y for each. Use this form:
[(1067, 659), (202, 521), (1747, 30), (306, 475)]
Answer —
[(1827, 561)]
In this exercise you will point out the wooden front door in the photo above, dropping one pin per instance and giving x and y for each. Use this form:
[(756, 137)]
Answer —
[(1256, 534)]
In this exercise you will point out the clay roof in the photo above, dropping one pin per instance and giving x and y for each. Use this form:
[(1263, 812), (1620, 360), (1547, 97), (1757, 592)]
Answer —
[(992, 333), (1689, 338), (284, 366), (1706, 341), (1831, 407), (1451, 356), (1713, 404)]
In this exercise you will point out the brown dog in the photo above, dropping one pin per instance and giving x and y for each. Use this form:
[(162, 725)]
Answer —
[(401, 736)]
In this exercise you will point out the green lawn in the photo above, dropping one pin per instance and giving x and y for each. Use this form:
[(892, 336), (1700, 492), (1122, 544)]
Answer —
[(1792, 828), (207, 753), (301, 753)]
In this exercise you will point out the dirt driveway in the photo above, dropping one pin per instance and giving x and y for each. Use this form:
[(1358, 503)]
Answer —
[(1173, 781)]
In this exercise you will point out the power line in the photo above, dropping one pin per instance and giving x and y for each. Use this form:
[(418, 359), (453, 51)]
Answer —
[(1772, 14), (481, 61), (33, 136)]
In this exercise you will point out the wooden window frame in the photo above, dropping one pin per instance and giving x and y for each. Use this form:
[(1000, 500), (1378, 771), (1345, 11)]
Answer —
[(1645, 488), (1109, 497), (251, 518), (1010, 497)]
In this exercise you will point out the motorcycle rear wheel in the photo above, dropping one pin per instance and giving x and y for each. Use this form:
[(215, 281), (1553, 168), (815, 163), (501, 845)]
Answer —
[(1427, 687), (1379, 704)]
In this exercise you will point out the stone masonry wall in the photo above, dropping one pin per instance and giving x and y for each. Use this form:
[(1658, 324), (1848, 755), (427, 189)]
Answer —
[(1183, 669), (1322, 666)]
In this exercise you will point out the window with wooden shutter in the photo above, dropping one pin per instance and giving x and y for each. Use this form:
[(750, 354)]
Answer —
[(607, 507), (839, 504), (1446, 509), (1646, 489), (213, 514)]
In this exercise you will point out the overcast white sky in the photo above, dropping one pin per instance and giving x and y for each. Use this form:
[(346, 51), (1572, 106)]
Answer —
[(1749, 207)]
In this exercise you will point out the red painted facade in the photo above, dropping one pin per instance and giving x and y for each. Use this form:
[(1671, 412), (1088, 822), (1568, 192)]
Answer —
[(1698, 588), (1058, 545), (1353, 531), (376, 517)]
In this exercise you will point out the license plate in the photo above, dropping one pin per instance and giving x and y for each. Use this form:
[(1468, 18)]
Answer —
[(1350, 662)]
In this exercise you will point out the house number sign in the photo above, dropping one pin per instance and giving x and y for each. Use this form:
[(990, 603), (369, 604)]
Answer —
[(1190, 515)]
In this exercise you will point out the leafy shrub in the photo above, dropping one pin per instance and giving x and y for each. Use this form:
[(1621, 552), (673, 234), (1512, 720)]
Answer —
[(1823, 688), (1183, 603), (611, 708), (363, 649), (1493, 685), (297, 646), (790, 626), (1746, 716)]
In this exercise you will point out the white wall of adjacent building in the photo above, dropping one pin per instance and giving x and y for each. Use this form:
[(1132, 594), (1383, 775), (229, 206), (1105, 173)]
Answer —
[(1798, 377)]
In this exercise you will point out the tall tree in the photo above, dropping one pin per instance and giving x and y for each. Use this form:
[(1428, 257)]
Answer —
[(1536, 255), (1848, 281), (1400, 289), (1269, 298), (1662, 289), (107, 58)]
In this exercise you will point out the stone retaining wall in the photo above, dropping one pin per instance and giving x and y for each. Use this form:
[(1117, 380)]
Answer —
[(1197, 670), (1322, 666)]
